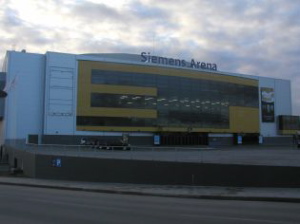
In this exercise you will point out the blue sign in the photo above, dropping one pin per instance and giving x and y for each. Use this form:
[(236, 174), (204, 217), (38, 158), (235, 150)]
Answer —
[(156, 140), (56, 162), (240, 139)]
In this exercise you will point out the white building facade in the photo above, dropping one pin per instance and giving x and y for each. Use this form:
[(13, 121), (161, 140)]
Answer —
[(43, 98)]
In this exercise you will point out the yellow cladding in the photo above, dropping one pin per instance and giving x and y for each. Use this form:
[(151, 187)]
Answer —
[(116, 89), (150, 129), (244, 119), (155, 129), (106, 128), (288, 132), (84, 97), (117, 112), (86, 66)]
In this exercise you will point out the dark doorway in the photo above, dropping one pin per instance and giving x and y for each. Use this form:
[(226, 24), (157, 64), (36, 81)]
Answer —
[(15, 163), (184, 139), (247, 139)]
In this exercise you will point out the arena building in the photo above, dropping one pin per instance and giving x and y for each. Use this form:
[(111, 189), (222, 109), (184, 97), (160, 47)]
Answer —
[(59, 98)]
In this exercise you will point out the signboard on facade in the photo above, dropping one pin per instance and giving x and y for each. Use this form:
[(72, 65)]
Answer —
[(267, 104), (156, 140), (239, 140), (148, 58), (56, 162)]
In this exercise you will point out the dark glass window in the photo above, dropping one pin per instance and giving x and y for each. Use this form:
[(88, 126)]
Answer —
[(115, 121), (289, 122), (180, 102), (123, 78), (123, 101)]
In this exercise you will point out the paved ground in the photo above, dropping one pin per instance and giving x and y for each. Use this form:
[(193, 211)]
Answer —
[(27, 205), (204, 192), (260, 155), (250, 155)]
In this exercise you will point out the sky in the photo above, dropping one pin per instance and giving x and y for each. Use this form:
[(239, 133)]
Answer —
[(255, 37)]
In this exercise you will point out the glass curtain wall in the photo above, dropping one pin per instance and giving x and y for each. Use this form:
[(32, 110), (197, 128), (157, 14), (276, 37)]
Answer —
[(180, 102)]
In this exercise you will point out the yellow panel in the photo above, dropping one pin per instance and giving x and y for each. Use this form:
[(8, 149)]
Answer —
[(83, 94), (244, 119), (151, 129), (288, 132), (128, 129), (146, 69), (116, 112), (203, 130), (116, 89)]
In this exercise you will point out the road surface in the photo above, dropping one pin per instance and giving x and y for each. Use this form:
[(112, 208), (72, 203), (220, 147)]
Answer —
[(40, 205)]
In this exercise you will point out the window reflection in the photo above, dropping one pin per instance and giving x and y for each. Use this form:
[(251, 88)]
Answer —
[(122, 101)]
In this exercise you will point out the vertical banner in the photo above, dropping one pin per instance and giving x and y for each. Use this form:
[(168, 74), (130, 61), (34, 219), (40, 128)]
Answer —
[(267, 104)]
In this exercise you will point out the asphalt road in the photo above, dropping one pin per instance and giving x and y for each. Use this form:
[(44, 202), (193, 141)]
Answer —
[(40, 205)]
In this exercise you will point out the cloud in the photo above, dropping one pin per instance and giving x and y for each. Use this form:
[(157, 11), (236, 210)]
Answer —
[(11, 18), (92, 12), (146, 11), (249, 36)]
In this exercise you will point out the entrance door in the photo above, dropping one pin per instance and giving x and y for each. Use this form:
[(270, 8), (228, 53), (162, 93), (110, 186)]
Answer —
[(184, 139)]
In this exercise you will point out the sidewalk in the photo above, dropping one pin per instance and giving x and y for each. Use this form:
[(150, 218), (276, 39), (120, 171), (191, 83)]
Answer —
[(197, 192)]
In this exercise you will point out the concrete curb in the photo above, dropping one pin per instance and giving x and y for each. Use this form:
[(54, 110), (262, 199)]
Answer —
[(149, 192)]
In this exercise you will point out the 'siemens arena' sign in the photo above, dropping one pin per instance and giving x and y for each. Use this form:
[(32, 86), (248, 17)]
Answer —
[(148, 58)]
